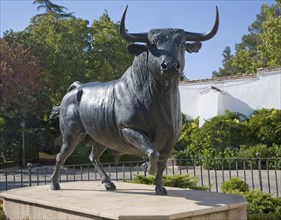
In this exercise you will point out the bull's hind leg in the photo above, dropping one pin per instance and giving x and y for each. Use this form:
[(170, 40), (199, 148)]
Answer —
[(141, 141), (68, 146), (97, 150), (159, 187)]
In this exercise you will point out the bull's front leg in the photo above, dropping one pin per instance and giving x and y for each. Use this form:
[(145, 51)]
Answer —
[(141, 141)]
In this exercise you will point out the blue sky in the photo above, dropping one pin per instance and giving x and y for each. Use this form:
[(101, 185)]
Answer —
[(194, 16)]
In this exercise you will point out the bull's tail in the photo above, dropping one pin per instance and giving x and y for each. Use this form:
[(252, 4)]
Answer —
[(74, 85), (55, 112), (56, 109)]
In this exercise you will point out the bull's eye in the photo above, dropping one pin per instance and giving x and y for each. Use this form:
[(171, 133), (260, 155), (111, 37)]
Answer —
[(183, 46), (153, 44)]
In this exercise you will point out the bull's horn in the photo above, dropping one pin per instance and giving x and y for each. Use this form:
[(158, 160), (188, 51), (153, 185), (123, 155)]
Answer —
[(205, 36), (142, 37)]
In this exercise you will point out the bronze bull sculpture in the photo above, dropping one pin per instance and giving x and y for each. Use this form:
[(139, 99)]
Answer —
[(137, 114)]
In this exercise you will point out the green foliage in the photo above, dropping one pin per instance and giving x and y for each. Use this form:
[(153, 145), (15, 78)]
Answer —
[(228, 69), (63, 48), (219, 133), (259, 48), (62, 44), (234, 184), (180, 150), (181, 181), (261, 205), (265, 126), (270, 49), (188, 127), (80, 155), (108, 58), (51, 8), (23, 96), (82, 152), (72, 51), (230, 136), (2, 216)]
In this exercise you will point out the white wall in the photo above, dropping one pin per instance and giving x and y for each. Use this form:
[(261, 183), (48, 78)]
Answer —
[(244, 94)]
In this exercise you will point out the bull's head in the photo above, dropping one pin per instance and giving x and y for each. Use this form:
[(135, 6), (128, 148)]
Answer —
[(166, 47)]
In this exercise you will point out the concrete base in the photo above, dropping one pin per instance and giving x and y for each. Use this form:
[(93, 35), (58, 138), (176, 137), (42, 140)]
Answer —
[(89, 200)]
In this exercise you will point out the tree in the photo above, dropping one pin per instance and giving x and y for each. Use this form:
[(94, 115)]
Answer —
[(67, 51), (72, 51), (227, 69), (23, 87), (62, 45), (52, 8), (22, 81), (270, 49), (109, 57), (259, 48)]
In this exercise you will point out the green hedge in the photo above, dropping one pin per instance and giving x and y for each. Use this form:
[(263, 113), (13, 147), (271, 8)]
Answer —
[(261, 205), (234, 184), (180, 181), (2, 216), (232, 135)]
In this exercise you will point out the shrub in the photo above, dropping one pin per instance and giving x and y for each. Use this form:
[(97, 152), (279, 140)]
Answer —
[(265, 126), (80, 155), (219, 133), (222, 136), (264, 151), (261, 205), (82, 152), (181, 181), (234, 184), (2, 216), (188, 127), (252, 151), (183, 158)]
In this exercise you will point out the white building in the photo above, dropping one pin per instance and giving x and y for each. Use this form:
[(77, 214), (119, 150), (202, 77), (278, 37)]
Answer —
[(241, 93)]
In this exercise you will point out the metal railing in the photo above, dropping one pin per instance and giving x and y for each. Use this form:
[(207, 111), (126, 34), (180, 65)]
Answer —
[(259, 173)]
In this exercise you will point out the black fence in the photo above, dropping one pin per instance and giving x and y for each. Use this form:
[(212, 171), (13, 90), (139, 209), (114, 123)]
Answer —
[(260, 173)]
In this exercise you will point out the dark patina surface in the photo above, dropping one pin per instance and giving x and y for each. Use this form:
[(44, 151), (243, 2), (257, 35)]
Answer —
[(137, 114)]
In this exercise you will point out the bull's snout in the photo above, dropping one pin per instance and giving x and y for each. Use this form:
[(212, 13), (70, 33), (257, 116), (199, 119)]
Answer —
[(170, 66)]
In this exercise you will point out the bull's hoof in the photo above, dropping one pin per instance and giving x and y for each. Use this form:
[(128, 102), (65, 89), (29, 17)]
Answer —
[(161, 190), (110, 186), (55, 186)]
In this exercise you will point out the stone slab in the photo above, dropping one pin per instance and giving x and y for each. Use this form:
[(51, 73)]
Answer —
[(89, 199)]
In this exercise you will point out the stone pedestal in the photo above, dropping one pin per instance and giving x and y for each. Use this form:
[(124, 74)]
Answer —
[(89, 200)]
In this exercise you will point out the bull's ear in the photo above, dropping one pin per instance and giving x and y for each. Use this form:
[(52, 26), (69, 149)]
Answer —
[(193, 47), (136, 49)]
